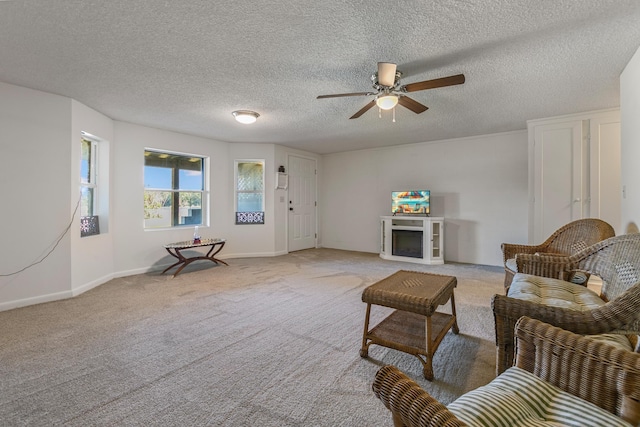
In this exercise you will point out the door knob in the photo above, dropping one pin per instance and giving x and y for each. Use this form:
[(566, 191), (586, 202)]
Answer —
[(290, 209)]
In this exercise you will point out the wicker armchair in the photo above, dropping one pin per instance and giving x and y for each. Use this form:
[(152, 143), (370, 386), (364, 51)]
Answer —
[(567, 240), (615, 260), (586, 369)]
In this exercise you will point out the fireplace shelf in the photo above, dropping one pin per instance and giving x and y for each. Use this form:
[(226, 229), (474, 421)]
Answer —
[(418, 239)]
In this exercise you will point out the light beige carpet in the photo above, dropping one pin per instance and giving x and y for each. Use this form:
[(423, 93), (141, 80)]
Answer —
[(262, 342)]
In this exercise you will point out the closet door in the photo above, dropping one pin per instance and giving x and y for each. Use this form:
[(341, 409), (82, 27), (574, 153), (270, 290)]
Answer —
[(605, 160), (560, 172)]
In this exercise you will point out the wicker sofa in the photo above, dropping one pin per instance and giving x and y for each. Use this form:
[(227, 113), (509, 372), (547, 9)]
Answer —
[(540, 290), (566, 240), (560, 378)]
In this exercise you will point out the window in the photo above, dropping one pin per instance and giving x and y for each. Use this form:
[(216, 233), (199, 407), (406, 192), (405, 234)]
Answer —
[(88, 188), (173, 189), (249, 191)]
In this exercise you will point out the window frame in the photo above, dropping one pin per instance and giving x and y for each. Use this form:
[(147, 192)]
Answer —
[(174, 216), (249, 217), (92, 176), (89, 220)]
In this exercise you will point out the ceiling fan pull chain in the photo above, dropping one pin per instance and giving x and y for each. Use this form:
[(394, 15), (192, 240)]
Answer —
[(379, 112), (394, 114)]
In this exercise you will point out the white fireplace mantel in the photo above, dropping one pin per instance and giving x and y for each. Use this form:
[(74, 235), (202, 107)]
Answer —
[(414, 238)]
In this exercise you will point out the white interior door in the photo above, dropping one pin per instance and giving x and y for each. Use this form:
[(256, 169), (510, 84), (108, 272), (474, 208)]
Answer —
[(606, 180), (302, 203), (559, 194)]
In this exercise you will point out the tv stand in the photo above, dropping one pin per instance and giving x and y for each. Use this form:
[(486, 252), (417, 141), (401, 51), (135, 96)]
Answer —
[(417, 214), (412, 238)]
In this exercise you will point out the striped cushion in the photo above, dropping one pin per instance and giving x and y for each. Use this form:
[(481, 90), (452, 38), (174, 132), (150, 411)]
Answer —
[(519, 398)]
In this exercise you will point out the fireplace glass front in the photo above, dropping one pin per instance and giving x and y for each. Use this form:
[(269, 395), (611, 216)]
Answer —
[(406, 243)]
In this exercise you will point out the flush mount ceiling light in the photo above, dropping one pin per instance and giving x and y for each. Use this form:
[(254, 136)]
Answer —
[(245, 116), (387, 101)]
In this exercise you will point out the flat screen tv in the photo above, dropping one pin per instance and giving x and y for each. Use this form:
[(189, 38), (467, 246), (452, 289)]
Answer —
[(411, 202)]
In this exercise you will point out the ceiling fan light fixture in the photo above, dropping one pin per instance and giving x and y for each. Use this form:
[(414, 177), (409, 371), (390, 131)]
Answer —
[(245, 116), (387, 101)]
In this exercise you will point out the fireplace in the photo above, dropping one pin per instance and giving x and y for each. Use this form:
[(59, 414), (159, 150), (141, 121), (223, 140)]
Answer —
[(417, 239), (406, 243)]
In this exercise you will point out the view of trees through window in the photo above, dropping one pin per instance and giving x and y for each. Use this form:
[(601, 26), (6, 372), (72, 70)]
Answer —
[(89, 224), (173, 189), (87, 177)]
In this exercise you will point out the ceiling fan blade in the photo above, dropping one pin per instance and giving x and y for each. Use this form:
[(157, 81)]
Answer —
[(338, 95), (363, 110), (458, 79), (412, 104), (386, 73)]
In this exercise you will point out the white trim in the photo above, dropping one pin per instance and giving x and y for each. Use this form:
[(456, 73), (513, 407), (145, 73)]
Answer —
[(35, 300), (90, 285), (93, 173), (205, 193)]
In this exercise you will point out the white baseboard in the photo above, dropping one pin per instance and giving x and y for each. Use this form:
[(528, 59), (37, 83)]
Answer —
[(94, 283), (142, 270), (253, 255), (8, 305)]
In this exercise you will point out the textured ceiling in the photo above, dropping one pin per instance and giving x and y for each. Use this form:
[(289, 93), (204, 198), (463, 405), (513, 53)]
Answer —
[(186, 65)]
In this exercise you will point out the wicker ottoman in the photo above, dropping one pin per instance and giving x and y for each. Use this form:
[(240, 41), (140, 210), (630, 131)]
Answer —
[(415, 327)]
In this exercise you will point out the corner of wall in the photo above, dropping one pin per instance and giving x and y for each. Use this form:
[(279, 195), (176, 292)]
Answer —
[(630, 134)]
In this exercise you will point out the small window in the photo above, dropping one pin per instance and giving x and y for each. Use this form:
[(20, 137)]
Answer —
[(249, 191), (174, 189), (88, 188)]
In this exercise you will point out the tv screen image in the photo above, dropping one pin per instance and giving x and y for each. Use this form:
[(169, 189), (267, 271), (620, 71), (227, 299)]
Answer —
[(411, 202)]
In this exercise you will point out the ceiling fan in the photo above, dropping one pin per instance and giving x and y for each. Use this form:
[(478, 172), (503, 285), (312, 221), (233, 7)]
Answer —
[(389, 92)]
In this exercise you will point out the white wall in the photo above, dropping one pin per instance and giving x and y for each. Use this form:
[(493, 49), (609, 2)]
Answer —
[(257, 239), (280, 202), (39, 186), (91, 256), (478, 184), (35, 145), (630, 133), (137, 250)]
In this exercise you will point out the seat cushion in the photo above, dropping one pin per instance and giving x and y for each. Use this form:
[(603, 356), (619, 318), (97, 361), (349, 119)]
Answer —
[(559, 293), (553, 292), (519, 398)]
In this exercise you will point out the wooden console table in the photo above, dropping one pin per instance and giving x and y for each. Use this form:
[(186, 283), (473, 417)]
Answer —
[(175, 248)]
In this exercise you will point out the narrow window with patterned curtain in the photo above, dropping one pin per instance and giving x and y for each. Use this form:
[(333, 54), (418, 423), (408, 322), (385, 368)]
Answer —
[(249, 178)]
